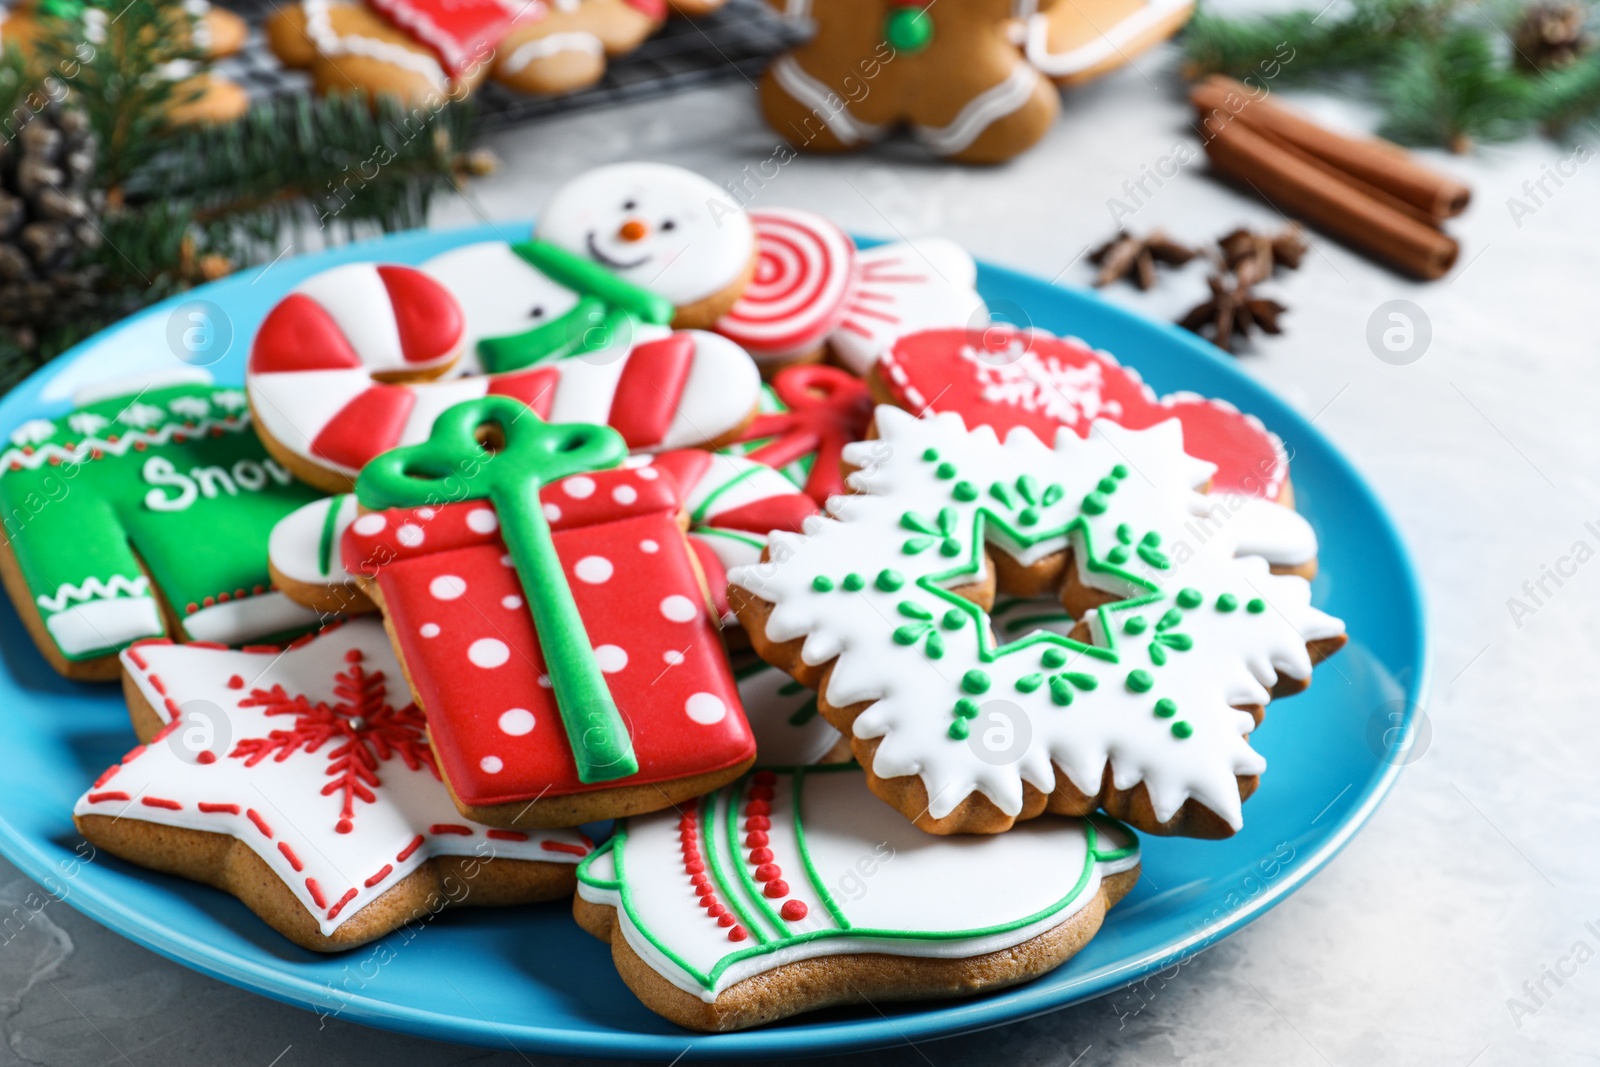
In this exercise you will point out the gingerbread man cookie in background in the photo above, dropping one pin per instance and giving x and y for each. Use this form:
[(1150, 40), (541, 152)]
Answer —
[(1073, 42), (199, 96), (566, 48), (951, 72)]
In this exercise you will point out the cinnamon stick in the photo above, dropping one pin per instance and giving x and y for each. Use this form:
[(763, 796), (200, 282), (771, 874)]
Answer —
[(1376, 162), (1325, 199)]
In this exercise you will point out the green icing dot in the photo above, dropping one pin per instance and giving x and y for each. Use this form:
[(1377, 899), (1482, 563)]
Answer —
[(934, 646), (1227, 602), (912, 610), (1107, 485), (1029, 682), (1060, 691), (1172, 618), (1053, 657), (1166, 708), (1119, 471), (950, 547), (1028, 517), (1256, 607), (931, 454), (1158, 655), (1151, 540), (1118, 554), (1140, 681), (822, 583), (964, 492), (1181, 730), (1094, 504), (953, 619), (958, 730), (915, 545), (854, 582), (975, 682), (908, 29), (967, 709), (1083, 681), (910, 633), (1189, 598), (945, 470), (1136, 625), (889, 580), (1125, 533)]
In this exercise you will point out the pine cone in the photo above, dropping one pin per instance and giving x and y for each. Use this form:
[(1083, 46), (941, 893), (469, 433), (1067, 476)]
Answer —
[(49, 219), (1551, 35)]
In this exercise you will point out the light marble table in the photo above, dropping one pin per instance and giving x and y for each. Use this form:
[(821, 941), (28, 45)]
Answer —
[(1487, 450)]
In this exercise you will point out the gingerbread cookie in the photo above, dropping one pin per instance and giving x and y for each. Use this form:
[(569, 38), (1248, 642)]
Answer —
[(1146, 713), (565, 46), (815, 292), (951, 73), (1006, 378), (791, 891), (1075, 41), (551, 619), (300, 781), (355, 362), (102, 508)]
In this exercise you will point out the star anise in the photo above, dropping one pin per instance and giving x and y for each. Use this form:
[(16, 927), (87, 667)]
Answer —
[(1232, 312), (1135, 258), (1252, 256)]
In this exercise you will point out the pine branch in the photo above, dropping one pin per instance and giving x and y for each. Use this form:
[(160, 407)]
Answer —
[(1452, 91), (1565, 98)]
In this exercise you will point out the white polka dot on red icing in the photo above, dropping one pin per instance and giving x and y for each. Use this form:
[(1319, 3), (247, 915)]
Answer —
[(679, 608), (648, 545), (625, 494), (516, 722), (492, 764), (579, 487), (705, 708), (593, 569), (544, 681), (552, 513), (649, 474), (507, 561), (672, 656), (447, 587), (482, 520), (369, 524), (425, 514), (511, 602), (488, 652), (410, 535), (611, 658), (429, 629)]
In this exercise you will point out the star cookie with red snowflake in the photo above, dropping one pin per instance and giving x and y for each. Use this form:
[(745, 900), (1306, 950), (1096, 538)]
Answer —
[(301, 781)]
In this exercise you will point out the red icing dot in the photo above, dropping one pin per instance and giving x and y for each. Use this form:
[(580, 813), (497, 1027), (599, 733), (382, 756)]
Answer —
[(344, 826), (708, 901), (758, 822), (208, 757), (761, 792), (737, 934), (758, 807), (759, 856), (695, 867), (768, 871), (724, 919), (793, 910), (224, 596), (701, 883), (236, 682), (352, 655), (718, 910), (777, 888), (764, 777)]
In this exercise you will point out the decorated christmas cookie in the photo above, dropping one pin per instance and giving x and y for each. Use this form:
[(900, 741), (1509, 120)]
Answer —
[(1005, 378), (300, 781), (303, 556), (349, 365), (143, 514), (813, 290), (783, 716), (566, 46), (551, 619), (951, 73), (1077, 41), (808, 415), (791, 891), (882, 608)]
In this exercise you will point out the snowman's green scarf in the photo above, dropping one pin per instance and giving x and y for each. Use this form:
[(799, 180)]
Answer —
[(608, 308)]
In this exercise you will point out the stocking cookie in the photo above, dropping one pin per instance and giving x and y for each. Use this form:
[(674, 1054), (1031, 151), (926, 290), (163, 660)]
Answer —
[(814, 291), (142, 514), (351, 364), (1006, 378), (791, 891), (1147, 714), (551, 619), (564, 45), (300, 781), (951, 73)]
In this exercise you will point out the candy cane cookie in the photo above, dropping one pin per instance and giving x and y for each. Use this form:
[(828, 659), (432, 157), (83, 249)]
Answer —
[(1146, 712), (790, 891), (349, 365)]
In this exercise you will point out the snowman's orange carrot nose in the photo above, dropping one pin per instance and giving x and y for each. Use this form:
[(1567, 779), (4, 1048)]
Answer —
[(634, 230)]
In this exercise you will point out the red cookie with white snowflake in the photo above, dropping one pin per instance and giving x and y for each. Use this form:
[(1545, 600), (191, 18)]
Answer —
[(1006, 378), (300, 780)]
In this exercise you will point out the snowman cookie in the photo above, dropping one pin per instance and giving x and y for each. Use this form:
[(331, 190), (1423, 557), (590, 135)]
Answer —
[(1185, 632), (791, 890), (300, 780), (363, 357)]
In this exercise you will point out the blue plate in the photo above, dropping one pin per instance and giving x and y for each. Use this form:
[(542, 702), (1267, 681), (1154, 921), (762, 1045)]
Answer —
[(530, 976)]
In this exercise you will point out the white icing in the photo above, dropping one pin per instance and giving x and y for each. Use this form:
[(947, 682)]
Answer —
[(236, 621), (355, 298), (319, 27), (981, 112), (295, 545), (903, 288), (772, 703), (825, 104), (890, 882), (287, 794), (1235, 657), (498, 291), (696, 244), (102, 625), (1108, 41), (552, 45)]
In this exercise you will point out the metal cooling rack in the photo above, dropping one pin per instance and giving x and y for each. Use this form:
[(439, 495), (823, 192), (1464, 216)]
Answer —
[(737, 40)]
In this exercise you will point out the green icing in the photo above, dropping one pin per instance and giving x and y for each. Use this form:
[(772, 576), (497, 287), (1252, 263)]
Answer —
[(1256, 606), (1227, 602)]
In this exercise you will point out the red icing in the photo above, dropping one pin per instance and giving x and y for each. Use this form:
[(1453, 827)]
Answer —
[(828, 409), (1043, 383), (535, 387), (647, 604), (298, 334), (429, 319), (776, 888), (459, 32), (370, 423), (800, 292), (647, 393), (793, 910)]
